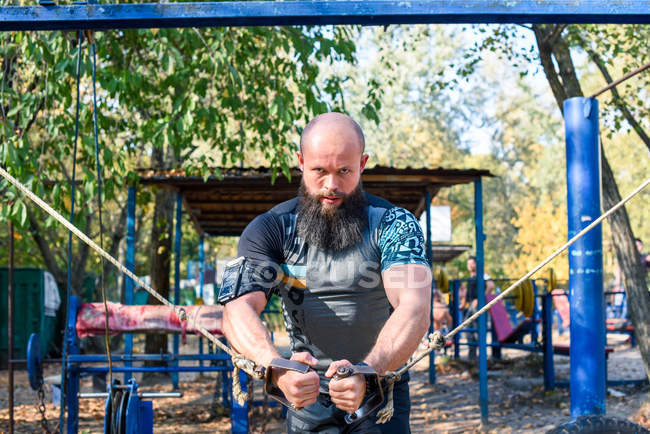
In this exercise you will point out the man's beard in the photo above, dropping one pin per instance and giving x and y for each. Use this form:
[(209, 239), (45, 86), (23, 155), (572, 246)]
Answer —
[(330, 227)]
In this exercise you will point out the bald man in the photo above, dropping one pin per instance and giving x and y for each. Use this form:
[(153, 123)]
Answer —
[(354, 282)]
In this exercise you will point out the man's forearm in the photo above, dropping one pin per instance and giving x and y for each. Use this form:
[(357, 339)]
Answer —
[(245, 332), (399, 338)]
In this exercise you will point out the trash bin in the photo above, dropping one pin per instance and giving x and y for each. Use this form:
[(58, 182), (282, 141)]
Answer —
[(37, 300)]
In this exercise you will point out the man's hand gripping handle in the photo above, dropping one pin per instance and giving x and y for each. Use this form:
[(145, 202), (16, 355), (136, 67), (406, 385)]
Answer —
[(374, 393)]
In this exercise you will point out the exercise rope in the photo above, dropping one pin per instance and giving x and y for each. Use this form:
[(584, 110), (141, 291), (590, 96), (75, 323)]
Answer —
[(239, 361), (436, 340)]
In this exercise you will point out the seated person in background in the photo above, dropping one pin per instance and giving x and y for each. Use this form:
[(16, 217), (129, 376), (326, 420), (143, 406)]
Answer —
[(441, 317), (471, 299)]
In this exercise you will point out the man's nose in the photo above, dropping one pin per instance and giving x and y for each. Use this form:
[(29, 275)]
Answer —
[(331, 183)]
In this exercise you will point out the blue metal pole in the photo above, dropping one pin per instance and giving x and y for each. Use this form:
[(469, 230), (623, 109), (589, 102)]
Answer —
[(480, 289), (455, 314), (239, 413), (201, 274), (427, 210), (177, 275), (304, 13), (586, 300), (130, 264), (547, 337)]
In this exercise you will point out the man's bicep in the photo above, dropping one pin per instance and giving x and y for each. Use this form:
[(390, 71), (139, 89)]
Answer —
[(252, 300), (407, 283)]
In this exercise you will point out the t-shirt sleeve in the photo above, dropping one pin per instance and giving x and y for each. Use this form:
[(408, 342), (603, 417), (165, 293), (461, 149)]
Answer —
[(400, 239), (260, 246)]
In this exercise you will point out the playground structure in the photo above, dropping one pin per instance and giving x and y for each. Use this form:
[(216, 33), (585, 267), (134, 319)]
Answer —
[(525, 328), (581, 116)]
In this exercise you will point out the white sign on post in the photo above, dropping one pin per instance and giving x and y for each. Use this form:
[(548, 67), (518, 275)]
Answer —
[(440, 223)]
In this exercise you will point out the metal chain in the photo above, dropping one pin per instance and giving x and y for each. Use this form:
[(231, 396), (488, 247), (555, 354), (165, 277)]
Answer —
[(41, 409)]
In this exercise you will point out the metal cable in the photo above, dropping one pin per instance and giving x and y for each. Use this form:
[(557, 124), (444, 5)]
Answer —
[(93, 50), (69, 271), (399, 372)]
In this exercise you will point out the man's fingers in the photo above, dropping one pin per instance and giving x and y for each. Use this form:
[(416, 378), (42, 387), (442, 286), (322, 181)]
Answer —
[(336, 365), (342, 385), (304, 357)]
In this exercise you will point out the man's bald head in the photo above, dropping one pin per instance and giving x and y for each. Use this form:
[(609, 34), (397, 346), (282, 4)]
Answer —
[(329, 121)]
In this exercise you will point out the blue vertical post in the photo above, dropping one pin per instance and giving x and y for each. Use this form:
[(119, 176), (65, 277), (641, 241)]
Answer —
[(480, 289), (177, 277), (427, 210), (455, 314), (547, 338), (201, 271), (586, 300), (239, 413), (130, 265)]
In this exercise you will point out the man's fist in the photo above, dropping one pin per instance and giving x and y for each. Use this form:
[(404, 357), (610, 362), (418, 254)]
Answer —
[(347, 393), (300, 390)]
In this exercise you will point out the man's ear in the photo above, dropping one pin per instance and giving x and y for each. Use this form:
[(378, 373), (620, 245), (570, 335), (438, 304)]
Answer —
[(301, 161), (364, 160)]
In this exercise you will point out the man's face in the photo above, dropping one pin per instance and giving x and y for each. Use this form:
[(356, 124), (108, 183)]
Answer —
[(639, 246), (471, 266), (332, 161)]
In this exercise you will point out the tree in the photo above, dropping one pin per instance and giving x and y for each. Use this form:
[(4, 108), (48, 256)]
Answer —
[(555, 48), (162, 94)]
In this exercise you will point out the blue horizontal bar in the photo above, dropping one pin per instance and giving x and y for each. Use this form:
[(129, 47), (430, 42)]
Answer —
[(102, 369), (637, 382), (99, 358), (274, 13)]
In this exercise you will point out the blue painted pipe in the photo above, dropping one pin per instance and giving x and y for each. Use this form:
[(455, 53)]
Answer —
[(172, 369), (587, 307), (130, 265), (177, 275), (480, 290)]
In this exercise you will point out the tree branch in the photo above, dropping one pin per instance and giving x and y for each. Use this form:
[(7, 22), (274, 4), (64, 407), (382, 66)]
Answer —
[(618, 101), (35, 231)]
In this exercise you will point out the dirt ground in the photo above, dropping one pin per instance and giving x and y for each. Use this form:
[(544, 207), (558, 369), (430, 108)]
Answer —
[(517, 400)]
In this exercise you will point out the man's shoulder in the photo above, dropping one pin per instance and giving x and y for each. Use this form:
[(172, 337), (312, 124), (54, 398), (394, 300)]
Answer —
[(270, 221), (286, 207), (378, 203)]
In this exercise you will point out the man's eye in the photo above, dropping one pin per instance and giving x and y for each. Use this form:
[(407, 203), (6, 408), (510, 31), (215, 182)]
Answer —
[(318, 169), (344, 171)]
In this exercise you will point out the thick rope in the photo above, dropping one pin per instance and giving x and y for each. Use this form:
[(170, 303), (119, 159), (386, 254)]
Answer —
[(238, 360), (437, 340)]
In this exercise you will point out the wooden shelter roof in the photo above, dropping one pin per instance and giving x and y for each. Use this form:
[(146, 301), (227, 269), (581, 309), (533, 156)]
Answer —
[(225, 206)]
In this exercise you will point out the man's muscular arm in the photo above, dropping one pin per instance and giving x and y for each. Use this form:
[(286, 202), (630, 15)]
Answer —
[(408, 288), (245, 331)]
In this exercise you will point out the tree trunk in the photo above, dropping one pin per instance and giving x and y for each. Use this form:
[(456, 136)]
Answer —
[(161, 245), (622, 236), (628, 259)]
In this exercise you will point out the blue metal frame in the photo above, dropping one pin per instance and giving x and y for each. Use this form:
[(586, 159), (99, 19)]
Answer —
[(130, 265), (480, 289), (273, 13), (427, 210), (201, 274), (177, 276), (587, 304), (77, 366)]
